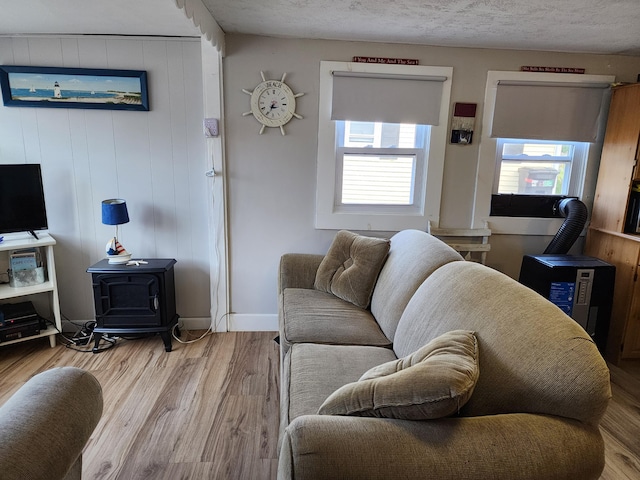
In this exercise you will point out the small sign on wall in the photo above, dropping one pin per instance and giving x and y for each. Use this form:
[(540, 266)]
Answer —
[(387, 61), (530, 68), (463, 122)]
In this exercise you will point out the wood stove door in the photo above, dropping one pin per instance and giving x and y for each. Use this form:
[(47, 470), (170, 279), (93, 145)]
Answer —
[(124, 300)]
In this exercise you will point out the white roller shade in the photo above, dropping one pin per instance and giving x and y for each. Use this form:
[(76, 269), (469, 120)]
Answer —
[(549, 111), (387, 98)]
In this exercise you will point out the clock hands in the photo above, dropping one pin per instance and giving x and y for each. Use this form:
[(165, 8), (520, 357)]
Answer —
[(274, 105)]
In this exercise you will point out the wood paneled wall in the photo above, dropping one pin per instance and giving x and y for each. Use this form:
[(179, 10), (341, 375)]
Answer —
[(155, 160)]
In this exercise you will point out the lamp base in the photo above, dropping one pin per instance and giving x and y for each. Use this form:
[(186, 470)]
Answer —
[(118, 259)]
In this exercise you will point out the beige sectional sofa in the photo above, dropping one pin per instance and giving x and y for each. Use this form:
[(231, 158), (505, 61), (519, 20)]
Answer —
[(46, 424), (362, 388)]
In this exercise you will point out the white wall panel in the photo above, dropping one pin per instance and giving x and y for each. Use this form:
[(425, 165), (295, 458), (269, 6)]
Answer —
[(161, 235), (152, 159)]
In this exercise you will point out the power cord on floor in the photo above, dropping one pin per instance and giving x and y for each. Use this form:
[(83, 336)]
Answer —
[(83, 337), (194, 339), (207, 332)]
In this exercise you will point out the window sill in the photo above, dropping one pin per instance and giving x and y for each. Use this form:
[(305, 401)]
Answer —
[(524, 225), (378, 223)]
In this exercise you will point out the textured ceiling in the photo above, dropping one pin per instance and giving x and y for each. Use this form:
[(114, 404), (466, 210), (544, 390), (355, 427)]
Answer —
[(592, 26), (102, 17)]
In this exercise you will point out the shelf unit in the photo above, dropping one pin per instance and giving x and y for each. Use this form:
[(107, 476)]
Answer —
[(609, 236), (472, 244), (50, 286)]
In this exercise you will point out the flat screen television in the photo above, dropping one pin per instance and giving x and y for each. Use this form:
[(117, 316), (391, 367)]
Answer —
[(22, 205)]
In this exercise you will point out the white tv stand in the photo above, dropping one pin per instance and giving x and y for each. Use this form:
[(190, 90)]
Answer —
[(50, 286)]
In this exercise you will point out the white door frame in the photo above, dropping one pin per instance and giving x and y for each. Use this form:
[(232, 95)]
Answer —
[(216, 189)]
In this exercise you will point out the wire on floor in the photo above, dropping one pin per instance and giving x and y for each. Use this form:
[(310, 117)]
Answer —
[(206, 333), (83, 337)]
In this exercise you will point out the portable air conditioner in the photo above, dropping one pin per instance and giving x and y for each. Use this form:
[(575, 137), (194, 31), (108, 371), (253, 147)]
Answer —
[(581, 286)]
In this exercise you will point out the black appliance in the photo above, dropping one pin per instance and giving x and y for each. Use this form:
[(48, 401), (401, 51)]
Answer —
[(581, 286), (22, 205), (19, 320), (135, 299)]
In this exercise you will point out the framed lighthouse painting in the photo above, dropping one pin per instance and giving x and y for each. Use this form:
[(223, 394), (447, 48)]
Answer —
[(53, 87)]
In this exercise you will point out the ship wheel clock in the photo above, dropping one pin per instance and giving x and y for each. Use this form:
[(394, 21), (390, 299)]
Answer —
[(273, 103)]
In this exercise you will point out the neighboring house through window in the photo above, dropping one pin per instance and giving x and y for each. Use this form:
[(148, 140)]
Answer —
[(381, 141), (540, 141)]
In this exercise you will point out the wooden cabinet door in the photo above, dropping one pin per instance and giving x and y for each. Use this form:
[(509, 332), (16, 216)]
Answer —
[(623, 253), (618, 160), (636, 172), (631, 346)]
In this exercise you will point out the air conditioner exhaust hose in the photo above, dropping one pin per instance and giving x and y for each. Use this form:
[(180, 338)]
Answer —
[(575, 213)]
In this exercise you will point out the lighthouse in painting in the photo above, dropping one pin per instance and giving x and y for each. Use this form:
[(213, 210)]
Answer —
[(56, 91)]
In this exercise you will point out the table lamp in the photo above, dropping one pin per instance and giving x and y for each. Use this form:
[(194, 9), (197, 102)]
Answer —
[(114, 212)]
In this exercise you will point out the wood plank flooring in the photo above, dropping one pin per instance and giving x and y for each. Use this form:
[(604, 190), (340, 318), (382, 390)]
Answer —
[(209, 410), (206, 410)]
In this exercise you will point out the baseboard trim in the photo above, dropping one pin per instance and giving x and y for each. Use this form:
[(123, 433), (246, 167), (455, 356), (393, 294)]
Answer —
[(256, 322), (237, 323), (195, 323)]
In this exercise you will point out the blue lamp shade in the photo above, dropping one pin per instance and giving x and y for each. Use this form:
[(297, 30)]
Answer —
[(114, 212)]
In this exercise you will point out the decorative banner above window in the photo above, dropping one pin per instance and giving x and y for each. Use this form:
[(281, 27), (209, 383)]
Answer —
[(93, 88), (388, 61), (526, 68)]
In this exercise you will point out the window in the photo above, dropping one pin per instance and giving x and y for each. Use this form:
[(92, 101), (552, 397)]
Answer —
[(536, 147), (381, 159), (379, 164), (528, 172), (530, 167)]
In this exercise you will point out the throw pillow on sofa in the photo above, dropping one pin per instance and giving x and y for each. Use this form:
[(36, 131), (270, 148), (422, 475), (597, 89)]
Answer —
[(350, 268), (433, 382)]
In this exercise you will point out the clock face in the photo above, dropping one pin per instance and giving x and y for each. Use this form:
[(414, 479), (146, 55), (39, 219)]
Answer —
[(273, 103)]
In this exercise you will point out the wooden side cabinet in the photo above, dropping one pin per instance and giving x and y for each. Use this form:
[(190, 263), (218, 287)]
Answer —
[(135, 299), (613, 235)]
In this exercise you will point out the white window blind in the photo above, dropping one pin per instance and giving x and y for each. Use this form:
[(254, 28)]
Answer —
[(387, 98), (378, 180), (549, 111)]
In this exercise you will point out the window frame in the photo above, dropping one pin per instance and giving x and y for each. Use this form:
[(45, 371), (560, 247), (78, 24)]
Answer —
[(488, 157), (329, 214)]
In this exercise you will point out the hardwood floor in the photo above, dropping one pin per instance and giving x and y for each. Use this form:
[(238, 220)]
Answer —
[(620, 426), (209, 410)]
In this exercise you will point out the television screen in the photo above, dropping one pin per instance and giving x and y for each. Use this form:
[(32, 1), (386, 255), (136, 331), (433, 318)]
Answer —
[(22, 206)]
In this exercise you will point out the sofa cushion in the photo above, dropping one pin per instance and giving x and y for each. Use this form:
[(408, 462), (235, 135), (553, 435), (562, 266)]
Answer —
[(311, 372), (351, 266), (319, 317), (433, 382), (413, 256)]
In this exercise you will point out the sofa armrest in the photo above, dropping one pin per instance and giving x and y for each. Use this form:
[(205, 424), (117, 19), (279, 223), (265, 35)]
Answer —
[(298, 270), (45, 425), (500, 447)]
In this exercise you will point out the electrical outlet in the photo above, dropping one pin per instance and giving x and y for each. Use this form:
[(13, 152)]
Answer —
[(210, 127)]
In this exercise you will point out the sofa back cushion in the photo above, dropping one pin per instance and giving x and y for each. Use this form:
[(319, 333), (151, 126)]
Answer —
[(413, 256), (534, 358), (350, 268)]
